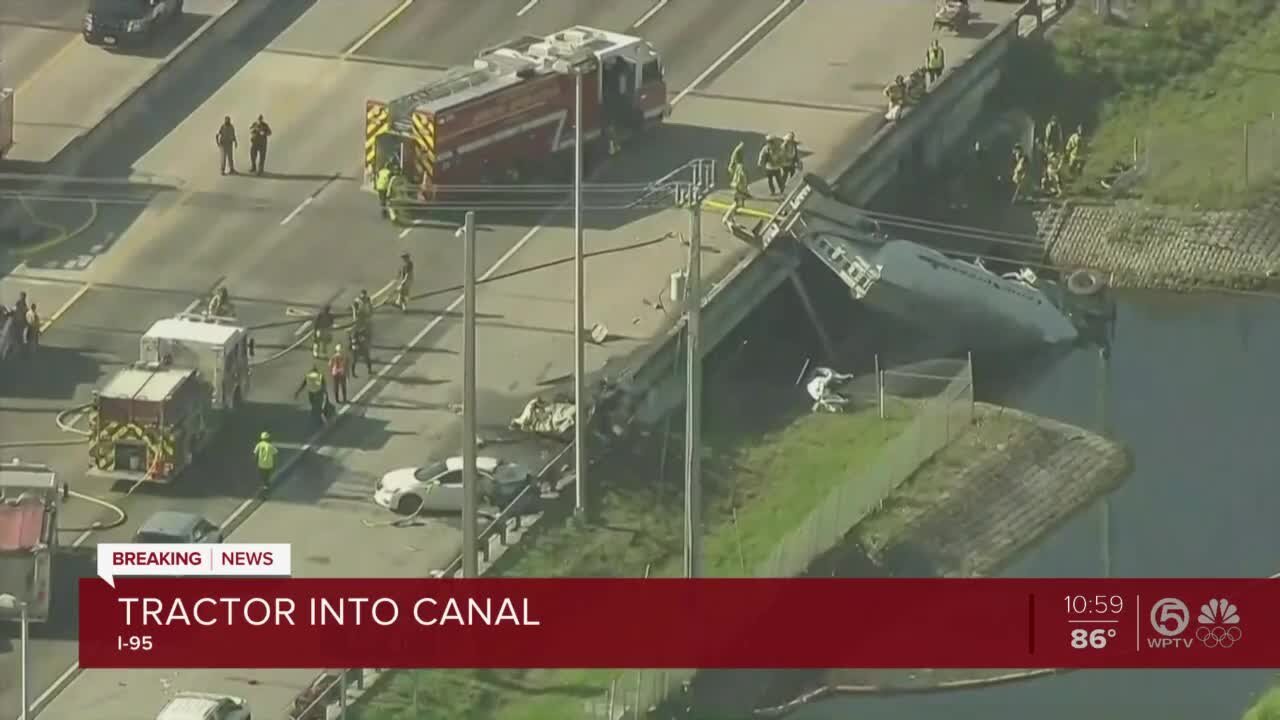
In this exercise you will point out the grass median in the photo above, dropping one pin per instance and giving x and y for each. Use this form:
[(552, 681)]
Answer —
[(761, 480), (1267, 707), (1188, 85)]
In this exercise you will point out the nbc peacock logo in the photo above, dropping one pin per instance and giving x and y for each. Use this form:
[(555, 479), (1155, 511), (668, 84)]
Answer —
[(1219, 624)]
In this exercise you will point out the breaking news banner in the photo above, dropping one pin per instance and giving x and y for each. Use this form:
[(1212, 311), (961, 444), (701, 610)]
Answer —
[(179, 560), (150, 622)]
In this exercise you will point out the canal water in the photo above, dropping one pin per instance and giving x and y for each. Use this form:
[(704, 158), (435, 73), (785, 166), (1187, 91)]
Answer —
[(1193, 388)]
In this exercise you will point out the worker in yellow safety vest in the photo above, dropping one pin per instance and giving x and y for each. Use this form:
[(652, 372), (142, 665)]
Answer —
[(382, 186), (1051, 183), (770, 160), (934, 61), (1019, 170), (1052, 136), (740, 195), (735, 159), (313, 383), (1075, 160), (265, 453), (396, 195), (896, 92)]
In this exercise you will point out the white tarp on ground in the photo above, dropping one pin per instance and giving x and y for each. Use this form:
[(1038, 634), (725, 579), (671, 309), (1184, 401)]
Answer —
[(545, 417)]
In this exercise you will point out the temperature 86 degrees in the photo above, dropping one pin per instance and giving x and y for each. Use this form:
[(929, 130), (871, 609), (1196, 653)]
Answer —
[(1083, 639)]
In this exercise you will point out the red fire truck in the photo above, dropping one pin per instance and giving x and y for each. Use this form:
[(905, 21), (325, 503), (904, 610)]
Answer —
[(504, 117), (30, 500)]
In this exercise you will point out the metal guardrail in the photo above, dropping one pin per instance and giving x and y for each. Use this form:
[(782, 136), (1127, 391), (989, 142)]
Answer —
[(512, 517), (329, 688)]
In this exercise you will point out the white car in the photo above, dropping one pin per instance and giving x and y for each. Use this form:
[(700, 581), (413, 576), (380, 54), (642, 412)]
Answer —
[(204, 706), (437, 487)]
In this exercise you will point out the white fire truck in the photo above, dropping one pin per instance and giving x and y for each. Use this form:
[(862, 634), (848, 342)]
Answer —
[(150, 420)]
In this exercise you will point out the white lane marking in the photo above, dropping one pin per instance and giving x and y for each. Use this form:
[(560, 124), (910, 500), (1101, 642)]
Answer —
[(651, 12), (405, 233), (527, 7), (64, 307), (729, 53), (382, 25), (412, 345), (301, 206), (506, 256), (53, 689), (311, 443)]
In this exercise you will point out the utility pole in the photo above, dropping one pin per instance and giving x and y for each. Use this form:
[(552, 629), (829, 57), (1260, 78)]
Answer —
[(693, 385), (579, 314), (1104, 429), (470, 551)]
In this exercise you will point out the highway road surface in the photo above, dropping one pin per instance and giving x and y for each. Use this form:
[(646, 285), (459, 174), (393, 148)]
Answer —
[(64, 86), (306, 234)]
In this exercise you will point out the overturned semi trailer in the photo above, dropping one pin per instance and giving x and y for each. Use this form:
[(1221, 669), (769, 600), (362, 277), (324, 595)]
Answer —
[(921, 287)]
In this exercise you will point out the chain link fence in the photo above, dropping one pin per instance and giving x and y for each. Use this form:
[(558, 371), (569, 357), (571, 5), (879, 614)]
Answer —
[(1235, 161), (936, 400)]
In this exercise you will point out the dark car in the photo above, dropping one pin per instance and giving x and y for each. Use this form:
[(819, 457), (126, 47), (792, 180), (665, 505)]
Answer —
[(171, 527), (122, 23)]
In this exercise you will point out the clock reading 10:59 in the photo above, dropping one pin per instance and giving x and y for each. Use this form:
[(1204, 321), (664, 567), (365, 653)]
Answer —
[(1094, 604)]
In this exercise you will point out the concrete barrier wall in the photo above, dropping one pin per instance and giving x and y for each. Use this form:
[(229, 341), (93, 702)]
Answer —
[(917, 143), (921, 140)]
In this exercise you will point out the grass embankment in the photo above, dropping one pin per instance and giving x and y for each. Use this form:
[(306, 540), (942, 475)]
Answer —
[(1267, 707), (932, 485), (759, 484), (1184, 82)]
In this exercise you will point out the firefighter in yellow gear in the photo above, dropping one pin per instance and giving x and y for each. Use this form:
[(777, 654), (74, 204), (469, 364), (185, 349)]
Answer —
[(735, 159), (321, 332), (220, 304), (934, 61), (1052, 136), (265, 453), (740, 196), (313, 383), (791, 164), (1019, 170), (770, 160), (916, 86), (382, 186), (1074, 158), (404, 282), (361, 308), (896, 92), (396, 194), (1051, 183)]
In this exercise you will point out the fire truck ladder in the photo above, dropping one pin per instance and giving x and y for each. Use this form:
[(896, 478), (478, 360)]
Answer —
[(854, 270)]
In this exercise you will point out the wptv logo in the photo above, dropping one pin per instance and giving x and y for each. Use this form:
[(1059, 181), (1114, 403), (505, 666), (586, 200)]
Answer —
[(1218, 625)]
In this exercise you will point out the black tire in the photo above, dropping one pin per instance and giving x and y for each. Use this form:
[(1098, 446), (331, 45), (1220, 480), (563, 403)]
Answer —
[(409, 505)]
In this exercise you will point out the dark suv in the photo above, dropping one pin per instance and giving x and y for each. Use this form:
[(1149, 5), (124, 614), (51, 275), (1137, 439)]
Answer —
[(118, 23)]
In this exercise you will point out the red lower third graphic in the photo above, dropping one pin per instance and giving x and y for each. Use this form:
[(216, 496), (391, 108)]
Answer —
[(724, 623)]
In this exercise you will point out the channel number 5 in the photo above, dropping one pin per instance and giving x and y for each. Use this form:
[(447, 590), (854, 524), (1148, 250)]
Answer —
[(1082, 639)]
